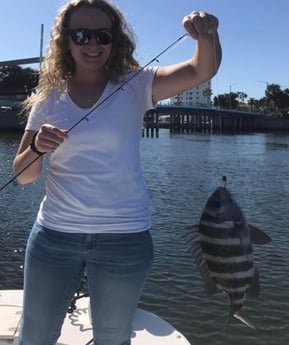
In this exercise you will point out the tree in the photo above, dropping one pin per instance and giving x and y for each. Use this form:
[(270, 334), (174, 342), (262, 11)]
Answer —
[(271, 96), (272, 90), (207, 92), (275, 101), (14, 79), (252, 102), (242, 96), (226, 101), (282, 102), (177, 100)]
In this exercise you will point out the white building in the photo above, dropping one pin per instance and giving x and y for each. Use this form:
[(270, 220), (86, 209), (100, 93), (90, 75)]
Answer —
[(194, 97)]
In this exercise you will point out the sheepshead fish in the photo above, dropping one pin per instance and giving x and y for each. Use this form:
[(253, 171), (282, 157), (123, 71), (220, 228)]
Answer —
[(222, 246)]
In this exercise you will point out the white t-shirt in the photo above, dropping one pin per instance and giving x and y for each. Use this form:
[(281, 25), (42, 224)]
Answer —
[(95, 182)]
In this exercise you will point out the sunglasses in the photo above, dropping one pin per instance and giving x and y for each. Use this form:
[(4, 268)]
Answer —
[(82, 36)]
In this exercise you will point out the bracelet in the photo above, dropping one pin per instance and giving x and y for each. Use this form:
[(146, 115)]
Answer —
[(33, 147)]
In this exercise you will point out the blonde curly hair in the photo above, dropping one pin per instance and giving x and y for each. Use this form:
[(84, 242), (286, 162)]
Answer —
[(58, 64)]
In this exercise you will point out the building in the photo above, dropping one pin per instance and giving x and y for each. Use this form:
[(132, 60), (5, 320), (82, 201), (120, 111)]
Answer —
[(197, 97)]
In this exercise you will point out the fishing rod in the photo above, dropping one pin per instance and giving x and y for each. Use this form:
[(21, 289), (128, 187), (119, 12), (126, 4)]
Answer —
[(127, 81), (85, 117)]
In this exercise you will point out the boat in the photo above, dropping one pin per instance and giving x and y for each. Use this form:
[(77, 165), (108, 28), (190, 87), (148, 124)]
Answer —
[(148, 328)]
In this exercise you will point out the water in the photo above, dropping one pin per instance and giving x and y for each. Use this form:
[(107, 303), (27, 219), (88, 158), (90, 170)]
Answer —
[(181, 172)]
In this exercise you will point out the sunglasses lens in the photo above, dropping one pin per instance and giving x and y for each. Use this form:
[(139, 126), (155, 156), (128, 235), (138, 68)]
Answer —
[(103, 37), (80, 36), (83, 36)]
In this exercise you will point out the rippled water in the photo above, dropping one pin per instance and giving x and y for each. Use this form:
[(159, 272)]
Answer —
[(181, 172)]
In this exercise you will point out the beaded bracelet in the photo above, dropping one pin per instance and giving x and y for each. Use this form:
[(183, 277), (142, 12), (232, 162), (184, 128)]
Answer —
[(33, 146)]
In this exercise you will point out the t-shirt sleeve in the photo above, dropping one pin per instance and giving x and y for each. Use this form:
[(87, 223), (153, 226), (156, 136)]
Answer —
[(36, 117), (150, 74), (143, 83)]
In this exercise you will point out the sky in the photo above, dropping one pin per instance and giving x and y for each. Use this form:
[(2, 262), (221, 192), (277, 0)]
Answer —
[(254, 35)]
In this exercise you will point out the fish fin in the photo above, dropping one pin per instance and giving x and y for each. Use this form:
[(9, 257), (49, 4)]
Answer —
[(258, 236), (240, 315), (194, 227), (193, 237), (254, 288), (190, 235), (196, 250)]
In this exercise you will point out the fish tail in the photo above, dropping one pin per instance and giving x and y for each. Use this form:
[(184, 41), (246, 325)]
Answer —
[(243, 318)]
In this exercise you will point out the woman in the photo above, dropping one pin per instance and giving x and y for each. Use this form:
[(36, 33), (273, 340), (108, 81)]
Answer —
[(95, 214)]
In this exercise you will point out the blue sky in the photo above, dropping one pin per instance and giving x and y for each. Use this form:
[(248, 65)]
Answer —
[(254, 36)]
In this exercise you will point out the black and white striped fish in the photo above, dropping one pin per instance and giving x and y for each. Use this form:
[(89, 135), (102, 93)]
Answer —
[(222, 246)]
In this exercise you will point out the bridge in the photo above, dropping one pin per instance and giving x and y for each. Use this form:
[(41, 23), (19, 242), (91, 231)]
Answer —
[(179, 119), (192, 119)]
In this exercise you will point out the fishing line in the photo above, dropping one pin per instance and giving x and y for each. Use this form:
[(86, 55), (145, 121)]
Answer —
[(85, 117)]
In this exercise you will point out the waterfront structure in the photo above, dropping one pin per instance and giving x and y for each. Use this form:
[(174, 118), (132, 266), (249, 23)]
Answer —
[(192, 119), (180, 119), (199, 96)]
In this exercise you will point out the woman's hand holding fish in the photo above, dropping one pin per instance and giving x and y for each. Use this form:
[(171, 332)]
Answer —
[(200, 23), (49, 138)]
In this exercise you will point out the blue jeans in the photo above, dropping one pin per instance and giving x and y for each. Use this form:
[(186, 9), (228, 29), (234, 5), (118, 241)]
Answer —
[(116, 266)]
